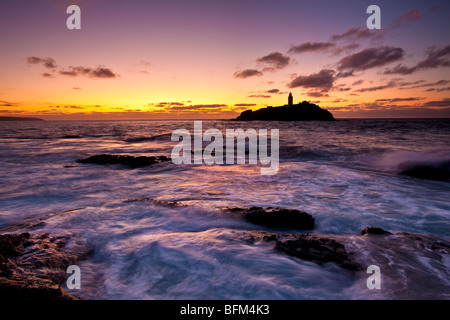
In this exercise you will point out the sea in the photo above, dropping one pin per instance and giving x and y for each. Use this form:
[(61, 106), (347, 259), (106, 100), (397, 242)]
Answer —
[(344, 173)]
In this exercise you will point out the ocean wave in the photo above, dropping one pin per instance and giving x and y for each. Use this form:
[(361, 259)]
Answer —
[(163, 136), (430, 164)]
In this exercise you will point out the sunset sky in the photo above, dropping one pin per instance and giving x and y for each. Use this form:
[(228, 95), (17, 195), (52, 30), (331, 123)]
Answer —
[(187, 59)]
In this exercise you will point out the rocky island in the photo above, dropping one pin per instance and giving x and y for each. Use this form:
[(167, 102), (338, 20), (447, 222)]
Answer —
[(303, 111), (20, 119)]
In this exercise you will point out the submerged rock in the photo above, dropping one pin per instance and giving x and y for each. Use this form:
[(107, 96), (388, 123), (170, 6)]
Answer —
[(34, 267), (314, 248), (275, 217), (319, 249), (125, 160), (374, 230)]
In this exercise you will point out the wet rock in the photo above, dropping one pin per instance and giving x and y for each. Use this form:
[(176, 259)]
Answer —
[(275, 217), (432, 171), (374, 230), (125, 160), (314, 248), (34, 267)]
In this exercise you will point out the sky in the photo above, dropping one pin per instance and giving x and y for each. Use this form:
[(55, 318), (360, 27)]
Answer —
[(213, 59)]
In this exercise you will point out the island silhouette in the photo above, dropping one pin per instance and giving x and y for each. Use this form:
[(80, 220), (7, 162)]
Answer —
[(20, 119), (303, 111)]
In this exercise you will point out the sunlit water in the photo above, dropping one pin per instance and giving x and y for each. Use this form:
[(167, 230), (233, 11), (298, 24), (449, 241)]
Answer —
[(344, 173)]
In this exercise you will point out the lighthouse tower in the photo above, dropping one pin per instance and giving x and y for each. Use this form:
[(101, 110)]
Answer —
[(290, 100)]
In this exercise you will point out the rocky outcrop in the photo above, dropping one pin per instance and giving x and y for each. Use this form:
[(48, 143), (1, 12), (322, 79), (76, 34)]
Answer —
[(432, 171), (320, 249), (34, 267), (374, 230), (274, 217), (125, 160), (299, 112)]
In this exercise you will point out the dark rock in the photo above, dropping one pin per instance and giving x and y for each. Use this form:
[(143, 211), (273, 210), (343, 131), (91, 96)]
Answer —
[(374, 230), (125, 160), (34, 289), (298, 112), (433, 171), (34, 267), (275, 217), (314, 248)]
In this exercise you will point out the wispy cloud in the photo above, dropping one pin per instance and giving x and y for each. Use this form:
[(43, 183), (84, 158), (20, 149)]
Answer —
[(436, 57), (406, 18), (8, 104), (245, 105), (312, 47), (259, 96), (441, 103), (247, 73), (390, 84), (99, 72), (357, 34), (370, 58)]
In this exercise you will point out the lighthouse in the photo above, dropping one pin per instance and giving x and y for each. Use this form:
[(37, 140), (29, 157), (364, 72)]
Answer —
[(290, 100)]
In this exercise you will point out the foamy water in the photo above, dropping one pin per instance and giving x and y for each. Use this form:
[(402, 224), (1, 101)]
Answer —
[(344, 173)]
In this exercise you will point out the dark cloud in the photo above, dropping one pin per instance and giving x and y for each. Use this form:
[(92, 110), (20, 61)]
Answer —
[(273, 91), (247, 73), (408, 17), (370, 58), (8, 104), (441, 103), (76, 88), (102, 73), (69, 73), (357, 83), (342, 88), (422, 84), (259, 96), (47, 75), (390, 84), (311, 47), (436, 57), (357, 34), (245, 105), (345, 74), (275, 60), (73, 107), (322, 80), (198, 107), (399, 99), (12, 111), (439, 90), (99, 72), (166, 104), (268, 69), (46, 62), (317, 94)]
